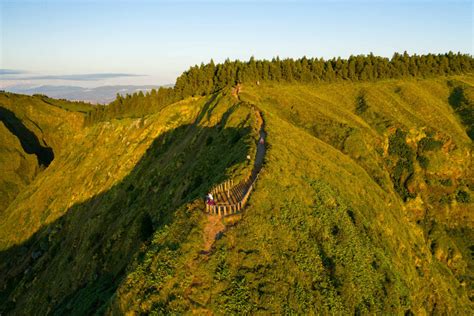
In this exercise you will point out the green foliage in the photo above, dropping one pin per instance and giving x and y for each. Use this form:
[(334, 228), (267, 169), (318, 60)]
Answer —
[(140, 222), (461, 100), (221, 272), (425, 145), (135, 105), (32, 130), (463, 196), (446, 182), (423, 161), (403, 169), (429, 144), (89, 300), (397, 145), (361, 105), (71, 106), (210, 78), (322, 232), (163, 259), (237, 299)]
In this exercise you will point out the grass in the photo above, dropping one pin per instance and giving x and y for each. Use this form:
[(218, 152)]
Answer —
[(361, 208), (325, 230), (71, 106), (50, 124), (159, 167)]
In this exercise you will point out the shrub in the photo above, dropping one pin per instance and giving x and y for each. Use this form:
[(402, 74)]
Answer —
[(403, 169), (463, 197), (423, 161), (398, 145), (361, 105), (429, 144), (445, 199), (446, 182)]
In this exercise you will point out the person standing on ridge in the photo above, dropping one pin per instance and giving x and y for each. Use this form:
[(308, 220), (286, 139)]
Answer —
[(210, 199)]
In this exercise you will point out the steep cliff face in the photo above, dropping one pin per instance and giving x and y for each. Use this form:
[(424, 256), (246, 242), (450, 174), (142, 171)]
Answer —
[(364, 205)]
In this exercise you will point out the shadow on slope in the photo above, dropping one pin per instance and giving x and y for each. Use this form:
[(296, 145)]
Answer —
[(29, 141), (74, 265), (462, 104)]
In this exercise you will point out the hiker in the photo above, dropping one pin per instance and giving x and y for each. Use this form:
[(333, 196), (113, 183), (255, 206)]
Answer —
[(210, 199), (262, 141)]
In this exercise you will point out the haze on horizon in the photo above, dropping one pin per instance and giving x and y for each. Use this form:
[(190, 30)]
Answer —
[(93, 43)]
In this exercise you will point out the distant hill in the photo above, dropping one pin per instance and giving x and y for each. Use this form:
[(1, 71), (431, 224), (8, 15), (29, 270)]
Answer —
[(103, 94)]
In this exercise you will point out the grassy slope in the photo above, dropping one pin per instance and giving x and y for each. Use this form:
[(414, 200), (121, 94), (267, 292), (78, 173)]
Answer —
[(16, 167), (325, 230), (54, 124), (355, 171), (129, 177), (51, 124)]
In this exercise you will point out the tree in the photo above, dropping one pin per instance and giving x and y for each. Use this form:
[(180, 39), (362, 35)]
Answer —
[(209, 78), (329, 74)]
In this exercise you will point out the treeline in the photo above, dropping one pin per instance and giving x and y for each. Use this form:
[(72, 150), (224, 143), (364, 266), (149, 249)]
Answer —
[(135, 105), (208, 78)]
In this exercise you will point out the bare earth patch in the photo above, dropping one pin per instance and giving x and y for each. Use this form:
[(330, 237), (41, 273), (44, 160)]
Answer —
[(213, 226)]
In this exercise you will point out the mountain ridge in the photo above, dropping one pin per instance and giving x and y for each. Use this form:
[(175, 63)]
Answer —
[(363, 206)]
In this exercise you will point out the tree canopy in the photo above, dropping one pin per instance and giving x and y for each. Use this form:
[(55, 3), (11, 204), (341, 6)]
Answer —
[(209, 78)]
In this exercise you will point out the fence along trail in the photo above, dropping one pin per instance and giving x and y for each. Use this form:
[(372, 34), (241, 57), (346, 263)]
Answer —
[(231, 198)]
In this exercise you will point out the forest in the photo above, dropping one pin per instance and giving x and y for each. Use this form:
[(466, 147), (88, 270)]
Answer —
[(208, 78)]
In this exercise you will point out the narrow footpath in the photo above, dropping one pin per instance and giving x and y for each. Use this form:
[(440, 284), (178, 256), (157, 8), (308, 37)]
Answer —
[(231, 199)]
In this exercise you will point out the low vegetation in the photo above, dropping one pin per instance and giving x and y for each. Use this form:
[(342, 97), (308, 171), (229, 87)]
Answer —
[(363, 206), (32, 130)]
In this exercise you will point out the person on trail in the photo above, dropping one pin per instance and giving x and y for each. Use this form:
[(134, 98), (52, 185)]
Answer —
[(210, 199), (262, 141)]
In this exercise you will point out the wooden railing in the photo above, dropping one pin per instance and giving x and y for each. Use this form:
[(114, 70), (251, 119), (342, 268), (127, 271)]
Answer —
[(231, 199), (223, 187), (229, 208)]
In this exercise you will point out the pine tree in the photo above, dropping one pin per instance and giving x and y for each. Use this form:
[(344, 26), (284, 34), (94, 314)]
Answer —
[(329, 74), (209, 78)]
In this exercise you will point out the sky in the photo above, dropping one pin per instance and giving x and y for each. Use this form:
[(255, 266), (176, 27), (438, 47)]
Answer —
[(92, 43)]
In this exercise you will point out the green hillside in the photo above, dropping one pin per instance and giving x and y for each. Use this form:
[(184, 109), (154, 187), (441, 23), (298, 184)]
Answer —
[(364, 204), (32, 130)]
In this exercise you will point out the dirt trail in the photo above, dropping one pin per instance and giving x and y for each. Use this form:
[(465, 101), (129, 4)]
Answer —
[(215, 224), (213, 227)]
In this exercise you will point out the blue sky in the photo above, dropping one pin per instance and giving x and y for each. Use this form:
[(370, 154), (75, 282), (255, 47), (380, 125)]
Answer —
[(152, 42)]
